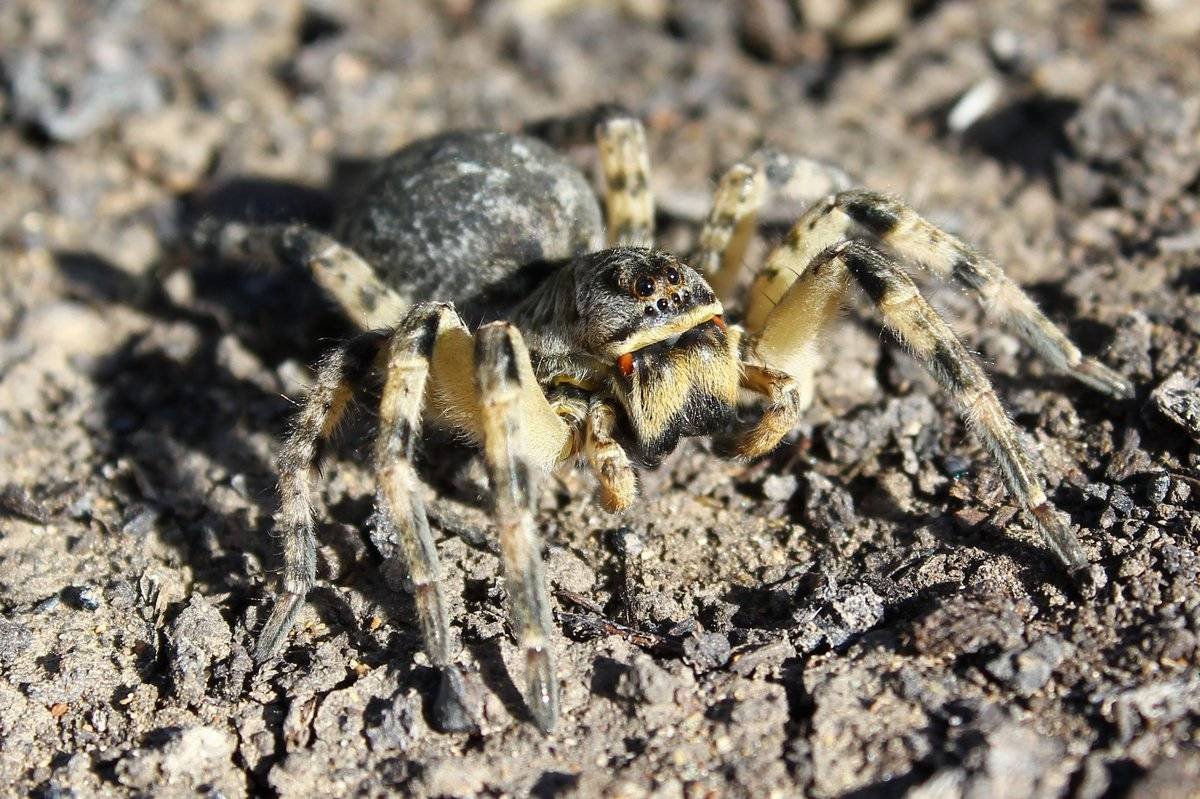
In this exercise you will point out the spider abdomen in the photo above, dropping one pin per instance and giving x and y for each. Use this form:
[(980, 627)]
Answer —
[(455, 217)]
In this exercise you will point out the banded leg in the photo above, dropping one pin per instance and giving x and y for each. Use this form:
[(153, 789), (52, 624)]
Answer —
[(780, 415), (624, 164), (906, 313), (629, 203), (500, 355), (888, 221), (336, 268), (337, 375), (608, 460), (767, 179), (399, 495)]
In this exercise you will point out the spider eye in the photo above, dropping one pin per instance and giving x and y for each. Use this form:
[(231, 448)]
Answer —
[(644, 286), (673, 275)]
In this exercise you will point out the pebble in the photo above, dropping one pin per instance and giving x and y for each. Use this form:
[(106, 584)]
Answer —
[(84, 597), (1177, 399), (706, 652)]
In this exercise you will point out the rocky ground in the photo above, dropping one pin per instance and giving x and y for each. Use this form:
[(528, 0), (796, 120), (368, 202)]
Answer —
[(865, 613)]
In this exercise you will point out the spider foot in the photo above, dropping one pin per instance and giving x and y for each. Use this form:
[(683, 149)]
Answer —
[(541, 688), (454, 707), (1101, 378)]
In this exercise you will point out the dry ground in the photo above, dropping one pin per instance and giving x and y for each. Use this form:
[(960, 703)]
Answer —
[(863, 614)]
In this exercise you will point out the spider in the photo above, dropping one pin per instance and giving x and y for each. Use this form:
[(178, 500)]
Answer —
[(498, 303)]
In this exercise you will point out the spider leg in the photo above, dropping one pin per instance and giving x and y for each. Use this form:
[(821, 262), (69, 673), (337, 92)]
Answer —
[(399, 498), (907, 314), (768, 178), (880, 218), (501, 369), (780, 415), (608, 459), (336, 268), (336, 376), (624, 162)]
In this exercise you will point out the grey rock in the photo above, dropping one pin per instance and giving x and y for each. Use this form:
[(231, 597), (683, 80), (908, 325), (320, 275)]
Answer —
[(706, 651), (1177, 399), (1029, 669), (645, 682), (393, 724), (197, 637), (15, 638), (780, 487), (193, 756)]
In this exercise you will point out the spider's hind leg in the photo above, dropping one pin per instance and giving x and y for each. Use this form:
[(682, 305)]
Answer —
[(338, 269), (624, 162), (748, 189), (337, 375)]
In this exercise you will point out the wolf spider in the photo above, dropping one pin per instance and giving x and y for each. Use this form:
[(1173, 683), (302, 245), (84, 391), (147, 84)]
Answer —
[(477, 262)]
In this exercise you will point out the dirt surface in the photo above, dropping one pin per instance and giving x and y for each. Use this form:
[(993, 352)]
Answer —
[(864, 613)]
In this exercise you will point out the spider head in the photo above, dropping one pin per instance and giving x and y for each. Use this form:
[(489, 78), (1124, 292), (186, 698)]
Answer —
[(659, 324)]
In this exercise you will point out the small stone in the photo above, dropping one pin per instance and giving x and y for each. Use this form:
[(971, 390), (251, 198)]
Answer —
[(645, 682), (1029, 669), (779, 487), (84, 597), (1177, 399), (192, 756), (196, 638), (706, 652), (393, 726)]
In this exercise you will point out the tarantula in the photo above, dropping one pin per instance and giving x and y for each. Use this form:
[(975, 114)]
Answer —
[(496, 305)]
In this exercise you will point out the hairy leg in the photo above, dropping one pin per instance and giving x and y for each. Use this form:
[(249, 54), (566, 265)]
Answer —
[(906, 313), (337, 374), (624, 163), (336, 268), (766, 180), (609, 462), (499, 356), (877, 217)]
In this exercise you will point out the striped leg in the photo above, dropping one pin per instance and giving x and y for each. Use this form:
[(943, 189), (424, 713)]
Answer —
[(501, 367), (917, 325), (780, 415), (336, 268), (624, 162), (609, 461), (399, 494), (337, 374), (765, 180), (881, 218)]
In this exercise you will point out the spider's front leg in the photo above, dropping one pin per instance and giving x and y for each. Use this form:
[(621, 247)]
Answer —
[(817, 293), (504, 377)]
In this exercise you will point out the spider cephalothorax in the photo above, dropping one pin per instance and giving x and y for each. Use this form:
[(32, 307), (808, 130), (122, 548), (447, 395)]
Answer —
[(646, 328), (474, 261)]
